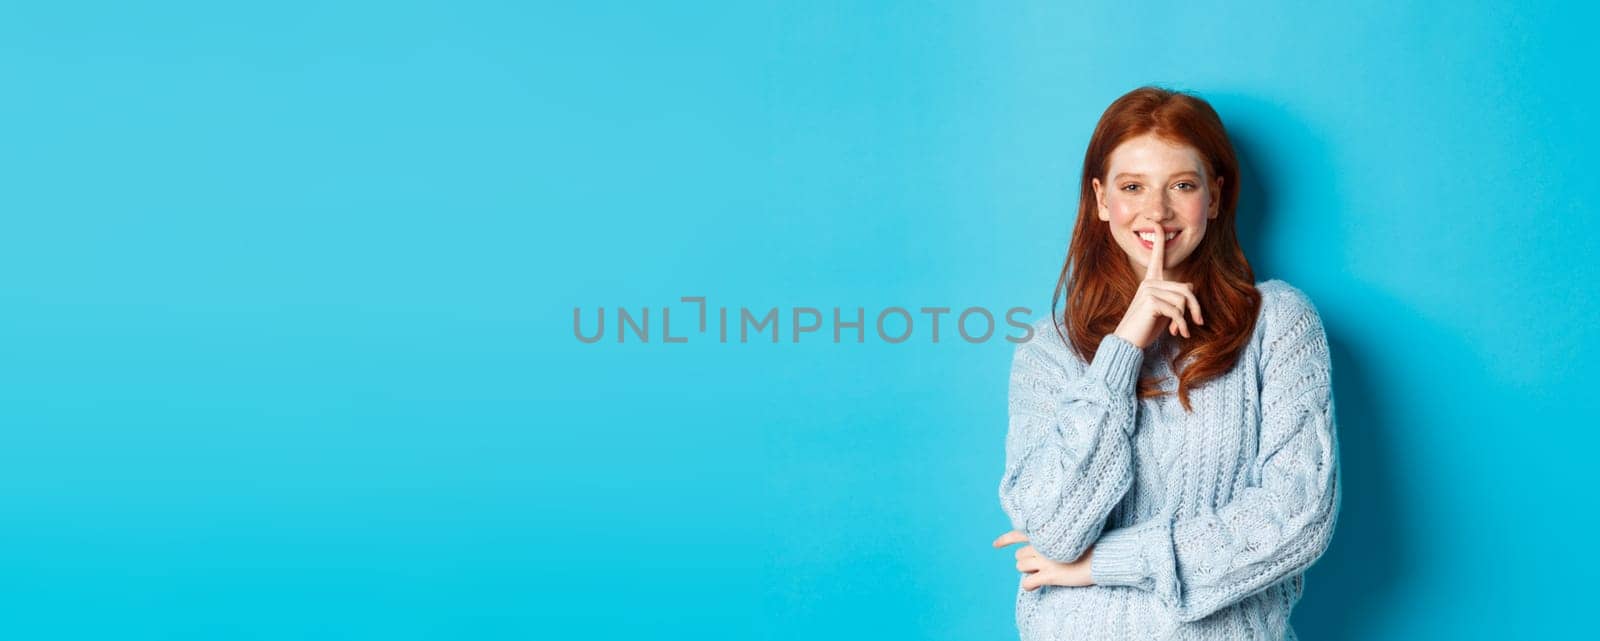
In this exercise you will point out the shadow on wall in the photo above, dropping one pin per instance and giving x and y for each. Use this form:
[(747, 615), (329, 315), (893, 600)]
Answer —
[(1358, 575), (1347, 589)]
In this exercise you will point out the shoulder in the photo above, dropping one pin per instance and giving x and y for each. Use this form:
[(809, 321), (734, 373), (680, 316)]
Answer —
[(1284, 308), (1290, 324), (1045, 334), (1041, 366), (1044, 349), (1280, 297)]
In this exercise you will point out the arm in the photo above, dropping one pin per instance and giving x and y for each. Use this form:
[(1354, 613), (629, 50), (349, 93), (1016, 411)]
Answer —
[(1068, 451), (1275, 528)]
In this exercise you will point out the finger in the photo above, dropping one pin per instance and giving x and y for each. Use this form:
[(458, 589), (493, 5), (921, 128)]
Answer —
[(1172, 311), (1032, 582), (1158, 256), (1161, 291), (1173, 298), (1187, 291), (1008, 538), (1176, 299)]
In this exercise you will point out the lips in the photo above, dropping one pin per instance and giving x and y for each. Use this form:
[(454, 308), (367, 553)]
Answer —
[(1150, 244)]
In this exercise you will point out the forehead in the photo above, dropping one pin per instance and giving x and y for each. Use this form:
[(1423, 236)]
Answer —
[(1148, 154)]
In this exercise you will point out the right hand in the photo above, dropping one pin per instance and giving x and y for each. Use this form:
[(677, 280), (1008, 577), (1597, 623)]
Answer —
[(1158, 302), (1041, 571)]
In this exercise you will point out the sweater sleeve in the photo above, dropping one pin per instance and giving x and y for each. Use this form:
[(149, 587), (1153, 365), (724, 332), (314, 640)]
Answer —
[(1274, 528), (1068, 450)]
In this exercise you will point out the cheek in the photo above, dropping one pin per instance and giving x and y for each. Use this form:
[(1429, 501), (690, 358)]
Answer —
[(1123, 212), (1128, 208), (1190, 212)]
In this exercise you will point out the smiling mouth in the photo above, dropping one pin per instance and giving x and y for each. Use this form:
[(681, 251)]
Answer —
[(1149, 238)]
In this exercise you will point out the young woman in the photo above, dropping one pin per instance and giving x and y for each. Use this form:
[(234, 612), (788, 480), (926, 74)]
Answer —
[(1171, 457)]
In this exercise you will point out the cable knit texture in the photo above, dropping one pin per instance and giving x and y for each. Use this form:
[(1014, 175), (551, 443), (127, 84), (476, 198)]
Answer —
[(1202, 524)]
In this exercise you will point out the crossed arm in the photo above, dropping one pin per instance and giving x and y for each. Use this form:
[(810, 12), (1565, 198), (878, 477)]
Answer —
[(1068, 464)]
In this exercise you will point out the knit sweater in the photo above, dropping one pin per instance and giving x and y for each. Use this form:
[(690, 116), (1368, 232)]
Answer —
[(1202, 524)]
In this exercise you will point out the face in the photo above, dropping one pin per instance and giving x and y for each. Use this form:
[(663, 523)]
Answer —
[(1154, 184)]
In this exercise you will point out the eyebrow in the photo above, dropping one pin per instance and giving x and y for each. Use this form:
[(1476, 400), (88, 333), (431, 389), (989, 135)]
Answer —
[(1132, 175)]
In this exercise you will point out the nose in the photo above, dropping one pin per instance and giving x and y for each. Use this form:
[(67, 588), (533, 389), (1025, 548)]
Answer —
[(1161, 210), (1160, 217)]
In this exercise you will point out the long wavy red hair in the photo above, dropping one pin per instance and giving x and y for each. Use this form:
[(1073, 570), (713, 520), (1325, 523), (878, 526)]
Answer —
[(1097, 278)]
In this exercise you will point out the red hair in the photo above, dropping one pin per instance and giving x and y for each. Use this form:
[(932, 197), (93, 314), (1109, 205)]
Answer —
[(1097, 297)]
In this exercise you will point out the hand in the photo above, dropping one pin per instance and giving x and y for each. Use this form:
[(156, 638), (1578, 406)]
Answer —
[(1157, 300), (1043, 571)]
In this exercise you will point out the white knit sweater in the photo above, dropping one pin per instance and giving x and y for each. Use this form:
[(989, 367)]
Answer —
[(1202, 524)]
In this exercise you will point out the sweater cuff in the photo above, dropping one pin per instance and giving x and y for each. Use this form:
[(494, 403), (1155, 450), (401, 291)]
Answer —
[(1116, 364), (1118, 557)]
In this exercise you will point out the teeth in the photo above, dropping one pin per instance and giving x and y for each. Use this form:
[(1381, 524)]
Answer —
[(1150, 236)]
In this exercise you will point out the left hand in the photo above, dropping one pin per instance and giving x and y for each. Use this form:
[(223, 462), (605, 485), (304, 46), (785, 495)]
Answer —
[(1043, 571)]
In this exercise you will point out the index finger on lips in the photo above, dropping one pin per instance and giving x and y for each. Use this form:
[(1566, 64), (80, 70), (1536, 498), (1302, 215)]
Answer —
[(1158, 256)]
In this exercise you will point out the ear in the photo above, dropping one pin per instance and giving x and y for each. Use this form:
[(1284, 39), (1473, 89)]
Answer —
[(1216, 198), (1100, 201)]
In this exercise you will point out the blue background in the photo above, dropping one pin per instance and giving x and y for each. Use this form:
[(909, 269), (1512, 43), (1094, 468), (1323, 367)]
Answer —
[(288, 291)]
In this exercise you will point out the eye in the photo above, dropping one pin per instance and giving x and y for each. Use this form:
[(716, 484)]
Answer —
[(1187, 186), (1130, 187)]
